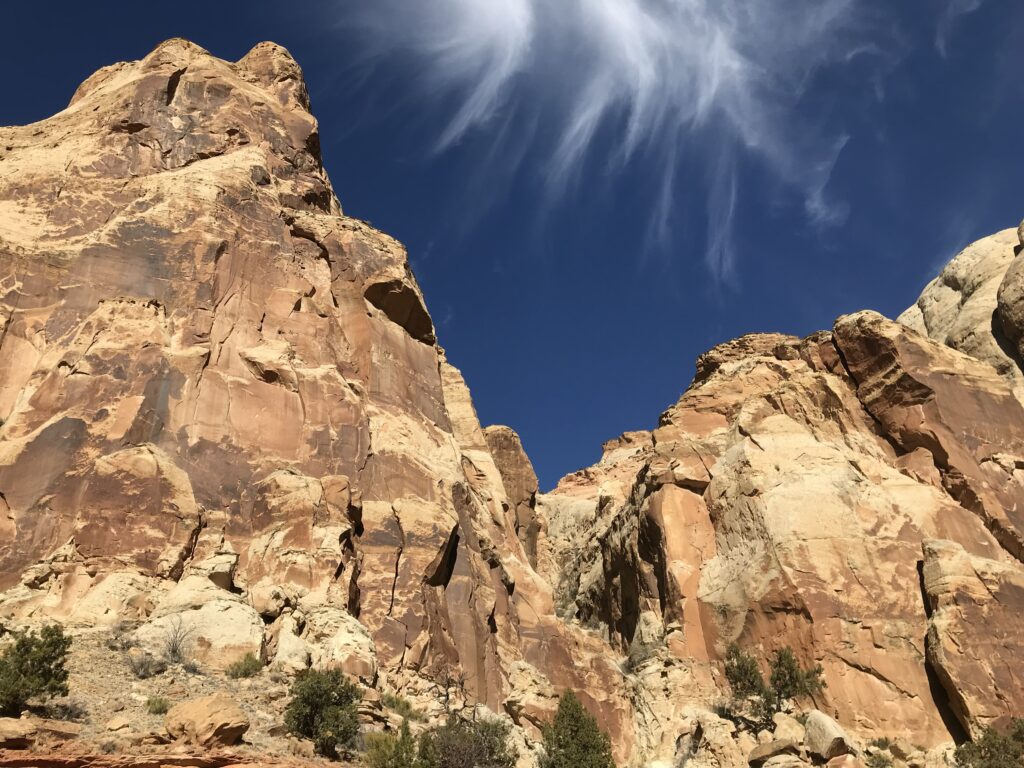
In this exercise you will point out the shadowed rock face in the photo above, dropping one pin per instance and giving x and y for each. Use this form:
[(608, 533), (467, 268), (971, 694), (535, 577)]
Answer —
[(223, 408)]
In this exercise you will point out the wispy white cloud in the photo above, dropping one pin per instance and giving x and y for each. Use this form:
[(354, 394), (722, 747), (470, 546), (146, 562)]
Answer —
[(689, 86), (952, 12)]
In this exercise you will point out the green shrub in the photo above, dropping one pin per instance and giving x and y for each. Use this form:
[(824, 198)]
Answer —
[(388, 750), (247, 666), (157, 705), (480, 743), (32, 667), (402, 707), (762, 700), (994, 749), (878, 760), (574, 739), (323, 708)]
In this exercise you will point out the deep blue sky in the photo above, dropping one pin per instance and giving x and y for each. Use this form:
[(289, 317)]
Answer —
[(570, 321)]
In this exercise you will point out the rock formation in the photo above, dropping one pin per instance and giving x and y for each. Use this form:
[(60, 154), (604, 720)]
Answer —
[(224, 410), (226, 418), (212, 721), (855, 495)]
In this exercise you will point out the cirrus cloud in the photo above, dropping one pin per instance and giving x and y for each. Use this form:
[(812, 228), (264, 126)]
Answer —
[(690, 87)]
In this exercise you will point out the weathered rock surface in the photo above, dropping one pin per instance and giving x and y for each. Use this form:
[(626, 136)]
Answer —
[(975, 633), (960, 307), (956, 408), (224, 413), (787, 727), (212, 721), (520, 483), (22, 732)]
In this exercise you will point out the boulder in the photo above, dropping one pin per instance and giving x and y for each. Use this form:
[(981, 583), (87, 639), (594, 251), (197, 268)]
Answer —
[(16, 733), (118, 723), (213, 624), (763, 752), (902, 749), (212, 721), (710, 742), (824, 737), (787, 727), (291, 651), (785, 761), (337, 639), (845, 761), (23, 732), (56, 730)]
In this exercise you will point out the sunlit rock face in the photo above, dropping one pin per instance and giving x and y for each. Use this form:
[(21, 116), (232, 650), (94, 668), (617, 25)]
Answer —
[(855, 495), (223, 404), (224, 409)]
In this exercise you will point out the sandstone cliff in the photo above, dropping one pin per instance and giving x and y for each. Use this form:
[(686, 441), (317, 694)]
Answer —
[(224, 407), (225, 412), (856, 495)]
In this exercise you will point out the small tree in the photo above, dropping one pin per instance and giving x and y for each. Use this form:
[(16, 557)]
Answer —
[(743, 674), (786, 681), (386, 750), (459, 743), (574, 739), (323, 708), (32, 667), (994, 749)]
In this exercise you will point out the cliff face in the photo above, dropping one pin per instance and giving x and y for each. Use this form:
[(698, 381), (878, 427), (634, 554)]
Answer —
[(223, 404), (856, 495), (224, 407)]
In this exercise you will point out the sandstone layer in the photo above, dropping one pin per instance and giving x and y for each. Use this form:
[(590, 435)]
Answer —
[(227, 421)]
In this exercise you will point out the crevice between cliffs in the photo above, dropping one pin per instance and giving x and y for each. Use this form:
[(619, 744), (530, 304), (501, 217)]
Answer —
[(398, 558)]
